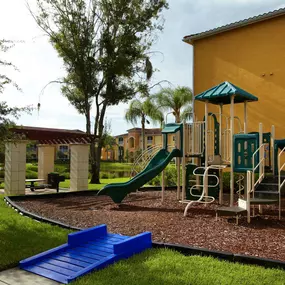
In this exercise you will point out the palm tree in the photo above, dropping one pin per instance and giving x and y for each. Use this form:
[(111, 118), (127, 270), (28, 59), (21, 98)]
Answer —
[(139, 110), (178, 100)]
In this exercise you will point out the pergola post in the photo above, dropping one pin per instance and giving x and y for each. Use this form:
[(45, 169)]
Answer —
[(15, 168), (79, 167), (45, 160)]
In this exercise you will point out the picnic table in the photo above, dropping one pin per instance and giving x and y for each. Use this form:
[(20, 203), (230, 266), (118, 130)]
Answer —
[(32, 181)]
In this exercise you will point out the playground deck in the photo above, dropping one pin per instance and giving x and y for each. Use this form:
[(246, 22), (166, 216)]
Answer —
[(143, 211)]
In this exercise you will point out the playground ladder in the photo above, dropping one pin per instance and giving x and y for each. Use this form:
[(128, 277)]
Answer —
[(203, 197)]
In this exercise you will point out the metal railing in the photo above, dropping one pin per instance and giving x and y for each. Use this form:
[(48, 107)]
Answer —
[(143, 159), (260, 165), (280, 184), (194, 138)]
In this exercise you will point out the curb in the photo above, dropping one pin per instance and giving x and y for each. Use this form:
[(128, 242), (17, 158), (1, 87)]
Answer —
[(183, 249)]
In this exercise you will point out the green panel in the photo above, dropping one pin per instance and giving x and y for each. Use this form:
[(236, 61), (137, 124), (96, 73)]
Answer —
[(223, 92), (244, 146), (278, 144), (216, 134)]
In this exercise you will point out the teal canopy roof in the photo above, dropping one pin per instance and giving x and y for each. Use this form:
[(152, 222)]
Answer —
[(171, 128), (223, 92)]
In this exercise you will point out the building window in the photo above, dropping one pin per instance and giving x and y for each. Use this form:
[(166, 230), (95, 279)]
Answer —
[(149, 140), (63, 148), (121, 141), (131, 142)]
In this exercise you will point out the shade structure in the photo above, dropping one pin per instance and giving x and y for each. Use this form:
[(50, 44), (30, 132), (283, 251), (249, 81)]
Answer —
[(52, 136), (222, 93)]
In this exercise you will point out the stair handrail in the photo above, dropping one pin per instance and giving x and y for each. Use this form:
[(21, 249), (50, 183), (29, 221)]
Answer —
[(254, 167), (140, 159), (280, 184)]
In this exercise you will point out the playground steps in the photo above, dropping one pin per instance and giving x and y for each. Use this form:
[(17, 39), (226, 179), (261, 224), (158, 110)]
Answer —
[(268, 188), (85, 251), (230, 211), (262, 201)]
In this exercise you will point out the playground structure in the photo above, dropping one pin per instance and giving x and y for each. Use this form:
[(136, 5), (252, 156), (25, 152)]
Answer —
[(206, 149)]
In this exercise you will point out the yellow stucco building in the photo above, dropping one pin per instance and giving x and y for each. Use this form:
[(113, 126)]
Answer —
[(131, 142), (250, 54)]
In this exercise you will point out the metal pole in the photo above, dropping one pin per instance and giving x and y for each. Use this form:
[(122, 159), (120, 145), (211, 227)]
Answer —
[(162, 186), (245, 131), (272, 149), (221, 193), (184, 162), (261, 155), (232, 151), (206, 147), (245, 118)]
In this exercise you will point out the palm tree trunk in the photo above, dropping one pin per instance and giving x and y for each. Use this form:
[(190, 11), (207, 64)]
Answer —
[(177, 116), (143, 132)]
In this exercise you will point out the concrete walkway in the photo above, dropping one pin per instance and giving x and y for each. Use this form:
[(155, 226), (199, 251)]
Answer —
[(16, 276)]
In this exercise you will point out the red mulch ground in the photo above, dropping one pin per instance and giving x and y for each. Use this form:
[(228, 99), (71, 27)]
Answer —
[(143, 211)]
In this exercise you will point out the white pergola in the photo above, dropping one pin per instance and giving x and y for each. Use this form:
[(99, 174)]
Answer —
[(15, 157)]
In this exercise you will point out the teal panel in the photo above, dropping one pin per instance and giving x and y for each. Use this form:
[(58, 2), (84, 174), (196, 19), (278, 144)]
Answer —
[(171, 128), (244, 146)]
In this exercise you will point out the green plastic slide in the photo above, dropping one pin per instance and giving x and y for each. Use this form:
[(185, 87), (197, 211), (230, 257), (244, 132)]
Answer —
[(118, 191)]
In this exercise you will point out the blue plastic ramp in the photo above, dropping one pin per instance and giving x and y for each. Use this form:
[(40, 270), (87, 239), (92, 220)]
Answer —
[(84, 252)]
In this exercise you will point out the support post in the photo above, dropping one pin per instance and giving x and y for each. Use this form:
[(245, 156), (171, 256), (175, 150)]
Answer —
[(206, 147), (261, 154), (184, 162), (15, 168), (232, 151), (245, 118), (221, 193), (178, 145), (46, 155), (220, 132), (79, 166), (162, 185), (272, 149)]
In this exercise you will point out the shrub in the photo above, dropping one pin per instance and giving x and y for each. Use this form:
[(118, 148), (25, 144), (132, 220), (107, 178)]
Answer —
[(32, 167), (31, 174), (66, 175), (104, 175)]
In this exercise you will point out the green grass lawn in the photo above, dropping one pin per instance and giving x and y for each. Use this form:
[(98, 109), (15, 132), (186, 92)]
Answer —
[(157, 267), (22, 237), (66, 183)]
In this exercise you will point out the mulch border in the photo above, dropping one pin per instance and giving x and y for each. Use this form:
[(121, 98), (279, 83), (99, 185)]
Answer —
[(185, 250)]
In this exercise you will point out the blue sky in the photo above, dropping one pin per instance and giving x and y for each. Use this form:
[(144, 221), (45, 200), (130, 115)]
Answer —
[(38, 63)]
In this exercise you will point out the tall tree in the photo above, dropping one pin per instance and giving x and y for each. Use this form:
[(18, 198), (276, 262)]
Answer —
[(7, 113), (178, 100), (103, 45), (139, 110)]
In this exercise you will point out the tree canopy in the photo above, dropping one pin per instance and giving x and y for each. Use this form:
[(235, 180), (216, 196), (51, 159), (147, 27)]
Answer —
[(103, 45), (7, 113), (141, 110), (178, 100)]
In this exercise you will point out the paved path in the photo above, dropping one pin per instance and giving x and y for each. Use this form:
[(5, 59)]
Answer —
[(16, 276)]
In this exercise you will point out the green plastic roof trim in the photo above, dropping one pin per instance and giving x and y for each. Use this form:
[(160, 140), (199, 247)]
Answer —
[(222, 93), (171, 128)]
